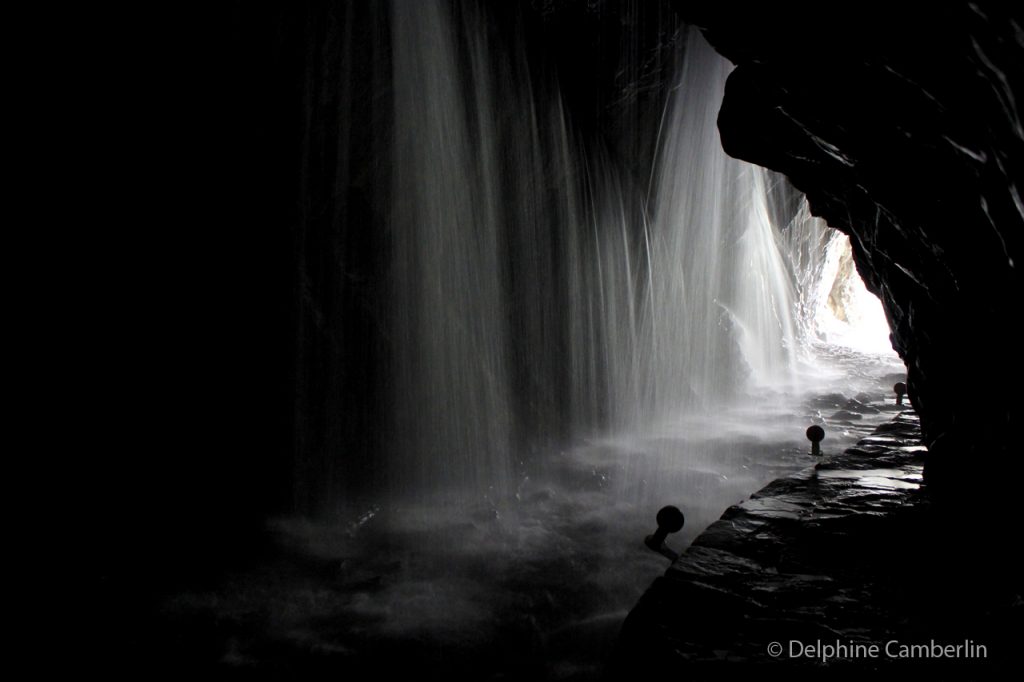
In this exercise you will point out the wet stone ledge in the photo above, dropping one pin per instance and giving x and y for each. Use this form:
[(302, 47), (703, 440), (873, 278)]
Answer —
[(851, 552)]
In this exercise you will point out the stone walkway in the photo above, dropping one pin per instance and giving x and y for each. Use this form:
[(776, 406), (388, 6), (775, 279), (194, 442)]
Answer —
[(849, 553)]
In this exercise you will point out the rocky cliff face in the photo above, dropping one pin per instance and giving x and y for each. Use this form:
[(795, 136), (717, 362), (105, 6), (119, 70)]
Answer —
[(904, 131)]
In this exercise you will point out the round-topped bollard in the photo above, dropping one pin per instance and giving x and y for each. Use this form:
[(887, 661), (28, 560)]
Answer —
[(900, 389), (670, 520), (815, 434)]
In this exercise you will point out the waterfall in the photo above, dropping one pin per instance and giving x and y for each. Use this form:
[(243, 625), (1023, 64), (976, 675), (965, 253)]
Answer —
[(451, 421), (704, 305), (535, 292), (484, 205)]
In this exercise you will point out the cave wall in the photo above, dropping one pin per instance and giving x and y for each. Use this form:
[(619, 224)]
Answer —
[(902, 128)]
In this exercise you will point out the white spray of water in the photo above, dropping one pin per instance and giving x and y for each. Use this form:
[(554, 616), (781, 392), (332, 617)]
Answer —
[(834, 308), (704, 307)]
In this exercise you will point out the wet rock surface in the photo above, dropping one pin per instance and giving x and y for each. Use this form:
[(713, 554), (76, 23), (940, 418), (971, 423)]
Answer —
[(850, 552)]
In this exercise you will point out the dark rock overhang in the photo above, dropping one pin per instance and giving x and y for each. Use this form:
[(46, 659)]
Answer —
[(902, 127)]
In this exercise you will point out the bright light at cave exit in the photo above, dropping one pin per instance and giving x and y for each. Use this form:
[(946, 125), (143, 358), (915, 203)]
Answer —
[(846, 313)]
